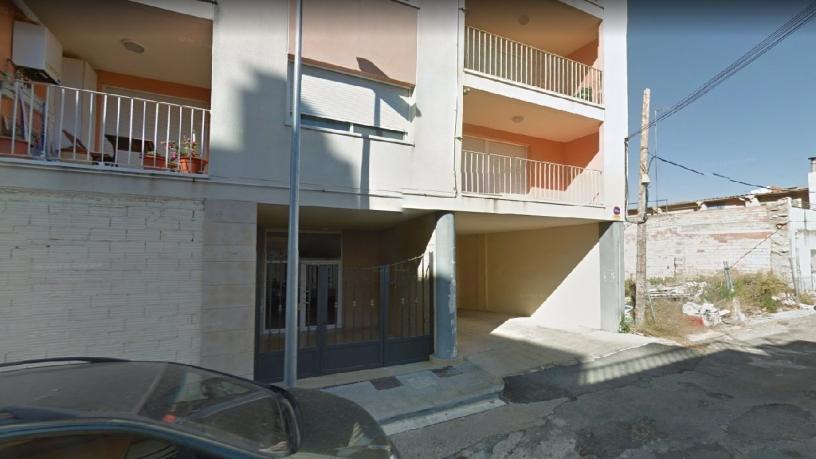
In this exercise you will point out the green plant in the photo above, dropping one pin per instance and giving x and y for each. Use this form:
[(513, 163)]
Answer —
[(187, 148), (585, 94), (807, 298), (630, 289), (760, 290), (625, 325)]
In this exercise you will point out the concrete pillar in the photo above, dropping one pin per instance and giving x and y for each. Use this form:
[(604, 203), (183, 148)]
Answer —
[(610, 245), (445, 288)]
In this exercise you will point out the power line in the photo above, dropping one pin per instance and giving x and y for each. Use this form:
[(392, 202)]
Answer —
[(780, 34), (707, 174)]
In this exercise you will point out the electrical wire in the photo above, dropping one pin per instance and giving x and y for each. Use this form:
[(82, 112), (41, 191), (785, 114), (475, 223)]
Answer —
[(780, 34)]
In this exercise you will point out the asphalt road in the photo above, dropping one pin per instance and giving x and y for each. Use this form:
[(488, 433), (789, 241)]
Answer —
[(752, 395)]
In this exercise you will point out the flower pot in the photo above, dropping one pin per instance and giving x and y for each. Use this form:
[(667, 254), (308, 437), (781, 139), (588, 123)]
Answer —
[(20, 147), (155, 162), (193, 165)]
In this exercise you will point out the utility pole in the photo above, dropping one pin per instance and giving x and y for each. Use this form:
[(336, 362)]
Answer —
[(290, 351), (641, 285)]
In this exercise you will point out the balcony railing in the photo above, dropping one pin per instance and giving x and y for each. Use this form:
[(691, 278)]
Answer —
[(67, 125), (510, 60), (487, 174)]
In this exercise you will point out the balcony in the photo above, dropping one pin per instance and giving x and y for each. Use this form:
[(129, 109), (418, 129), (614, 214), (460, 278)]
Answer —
[(510, 177), (62, 125), (511, 61)]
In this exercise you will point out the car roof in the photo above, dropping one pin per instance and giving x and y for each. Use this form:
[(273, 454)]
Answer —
[(189, 400)]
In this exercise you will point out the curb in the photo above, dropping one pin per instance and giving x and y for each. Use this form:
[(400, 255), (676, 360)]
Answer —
[(443, 413)]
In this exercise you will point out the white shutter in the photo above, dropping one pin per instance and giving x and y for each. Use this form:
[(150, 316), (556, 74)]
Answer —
[(341, 97), (506, 149)]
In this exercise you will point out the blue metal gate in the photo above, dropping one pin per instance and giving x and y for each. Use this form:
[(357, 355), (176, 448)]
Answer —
[(348, 318)]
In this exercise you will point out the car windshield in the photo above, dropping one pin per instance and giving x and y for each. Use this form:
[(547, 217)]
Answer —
[(211, 405)]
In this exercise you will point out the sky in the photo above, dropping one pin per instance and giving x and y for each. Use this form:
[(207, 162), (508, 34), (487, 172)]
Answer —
[(759, 126)]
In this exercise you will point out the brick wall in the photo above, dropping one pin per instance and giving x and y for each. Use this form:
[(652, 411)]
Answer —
[(691, 243), (100, 275)]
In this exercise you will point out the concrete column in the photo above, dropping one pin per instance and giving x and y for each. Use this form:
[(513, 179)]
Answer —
[(445, 288), (610, 243)]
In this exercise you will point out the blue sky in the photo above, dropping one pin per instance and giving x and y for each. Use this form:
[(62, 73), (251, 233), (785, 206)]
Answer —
[(759, 126)]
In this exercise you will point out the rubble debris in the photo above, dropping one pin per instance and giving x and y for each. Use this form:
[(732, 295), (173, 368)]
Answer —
[(691, 290), (705, 314)]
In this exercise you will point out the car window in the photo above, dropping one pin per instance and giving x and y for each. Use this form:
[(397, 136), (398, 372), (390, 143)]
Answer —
[(96, 446), (191, 401)]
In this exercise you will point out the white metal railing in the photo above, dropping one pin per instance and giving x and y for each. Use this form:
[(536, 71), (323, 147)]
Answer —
[(511, 60), (488, 174), (61, 124)]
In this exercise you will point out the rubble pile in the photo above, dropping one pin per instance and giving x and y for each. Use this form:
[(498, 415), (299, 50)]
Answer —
[(705, 314)]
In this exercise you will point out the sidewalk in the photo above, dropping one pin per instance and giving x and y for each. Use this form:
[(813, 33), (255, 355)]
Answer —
[(492, 347)]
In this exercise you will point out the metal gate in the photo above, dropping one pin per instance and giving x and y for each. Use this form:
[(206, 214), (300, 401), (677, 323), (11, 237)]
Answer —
[(348, 318)]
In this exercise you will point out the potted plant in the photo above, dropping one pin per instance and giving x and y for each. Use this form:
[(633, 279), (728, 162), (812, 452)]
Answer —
[(153, 160), (189, 158)]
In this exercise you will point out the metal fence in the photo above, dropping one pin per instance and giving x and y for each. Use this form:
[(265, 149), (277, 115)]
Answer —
[(58, 123), (508, 59), (525, 179), (349, 317)]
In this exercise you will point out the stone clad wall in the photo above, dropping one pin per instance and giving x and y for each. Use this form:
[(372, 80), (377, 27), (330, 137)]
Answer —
[(99, 275)]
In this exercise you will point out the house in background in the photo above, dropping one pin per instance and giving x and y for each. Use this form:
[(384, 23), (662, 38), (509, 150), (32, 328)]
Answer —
[(767, 230), (456, 156)]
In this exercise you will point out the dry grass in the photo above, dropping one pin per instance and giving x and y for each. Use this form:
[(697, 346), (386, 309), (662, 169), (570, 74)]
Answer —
[(668, 321)]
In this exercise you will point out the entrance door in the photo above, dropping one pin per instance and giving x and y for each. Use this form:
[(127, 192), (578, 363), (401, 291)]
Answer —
[(318, 311), (318, 305)]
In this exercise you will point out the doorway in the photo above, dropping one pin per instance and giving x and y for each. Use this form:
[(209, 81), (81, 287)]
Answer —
[(349, 318)]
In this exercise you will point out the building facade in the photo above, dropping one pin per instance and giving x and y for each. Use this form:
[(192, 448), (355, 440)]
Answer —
[(456, 154)]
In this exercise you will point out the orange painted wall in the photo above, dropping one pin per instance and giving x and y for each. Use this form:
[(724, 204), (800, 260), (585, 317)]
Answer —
[(584, 152), (7, 14), (183, 91), (588, 54), (375, 38), (538, 149)]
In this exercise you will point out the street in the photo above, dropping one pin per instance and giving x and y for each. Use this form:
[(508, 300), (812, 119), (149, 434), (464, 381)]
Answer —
[(750, 394)]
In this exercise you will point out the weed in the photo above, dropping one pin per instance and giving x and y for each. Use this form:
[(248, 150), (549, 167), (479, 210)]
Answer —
[(807, 298), (668, 321), (760, 291)]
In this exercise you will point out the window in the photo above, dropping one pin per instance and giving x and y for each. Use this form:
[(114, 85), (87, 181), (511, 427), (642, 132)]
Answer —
[(96, 445), (365, 131), (341, 102)]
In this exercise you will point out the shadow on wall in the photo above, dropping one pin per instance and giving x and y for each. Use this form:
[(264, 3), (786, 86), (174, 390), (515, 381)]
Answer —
[(547, 271), (255, 145)]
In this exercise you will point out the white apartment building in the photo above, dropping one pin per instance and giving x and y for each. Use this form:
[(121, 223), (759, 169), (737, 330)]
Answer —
[(456, 155)]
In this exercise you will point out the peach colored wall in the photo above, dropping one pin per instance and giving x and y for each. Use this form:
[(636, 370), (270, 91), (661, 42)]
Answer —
[(584, 152), (588, 54), (183, 91), (7, 15), (538, 149), (376, 38)]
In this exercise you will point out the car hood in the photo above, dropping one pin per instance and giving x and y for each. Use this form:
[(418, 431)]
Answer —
[(332, 426)]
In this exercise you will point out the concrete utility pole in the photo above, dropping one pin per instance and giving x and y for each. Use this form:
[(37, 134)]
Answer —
[(290, 350), (641, 285)]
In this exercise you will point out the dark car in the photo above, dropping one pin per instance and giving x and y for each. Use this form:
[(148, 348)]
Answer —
[(107, 408)]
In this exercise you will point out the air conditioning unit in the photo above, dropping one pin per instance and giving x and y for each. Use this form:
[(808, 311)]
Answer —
[(37, 52)]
